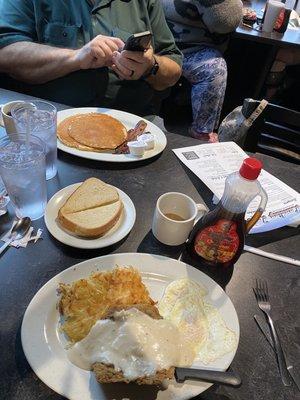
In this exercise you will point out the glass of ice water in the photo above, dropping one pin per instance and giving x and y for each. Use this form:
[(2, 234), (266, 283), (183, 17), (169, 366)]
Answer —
[(23, 170), (39, 118)]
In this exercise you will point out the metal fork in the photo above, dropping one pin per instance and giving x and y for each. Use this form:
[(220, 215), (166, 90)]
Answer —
[(262, 297)]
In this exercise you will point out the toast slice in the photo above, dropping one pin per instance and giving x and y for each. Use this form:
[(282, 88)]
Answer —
[(92, 222), (91, 193), (106, 373)]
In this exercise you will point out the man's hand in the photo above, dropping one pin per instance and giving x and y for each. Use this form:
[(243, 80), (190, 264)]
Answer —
[(98, 52), (132, 65)]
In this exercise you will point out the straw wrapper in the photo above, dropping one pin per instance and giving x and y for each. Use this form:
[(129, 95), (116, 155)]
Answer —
[(30, 236)]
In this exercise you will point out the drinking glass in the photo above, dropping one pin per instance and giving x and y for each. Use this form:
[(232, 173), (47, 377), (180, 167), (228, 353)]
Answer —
[(23, 170), (39, 118)]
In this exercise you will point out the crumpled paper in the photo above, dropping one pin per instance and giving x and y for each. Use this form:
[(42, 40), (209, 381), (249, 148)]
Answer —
[(4, 200), (29, 237)]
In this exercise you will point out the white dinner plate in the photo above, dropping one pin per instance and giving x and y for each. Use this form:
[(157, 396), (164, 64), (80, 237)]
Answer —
[(128, 120), (44, 344), (114, 235)]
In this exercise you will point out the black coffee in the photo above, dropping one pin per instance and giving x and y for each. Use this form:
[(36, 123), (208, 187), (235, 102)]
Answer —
[(175, 217)]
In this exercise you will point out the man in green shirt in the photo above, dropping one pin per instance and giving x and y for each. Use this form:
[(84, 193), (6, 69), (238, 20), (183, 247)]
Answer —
[(70, 51)]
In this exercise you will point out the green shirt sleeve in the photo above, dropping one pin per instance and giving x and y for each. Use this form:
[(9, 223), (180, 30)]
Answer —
[(17, 22), (164, 42)]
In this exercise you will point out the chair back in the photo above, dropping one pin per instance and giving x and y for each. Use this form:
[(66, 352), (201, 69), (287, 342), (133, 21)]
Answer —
[(276, 132)]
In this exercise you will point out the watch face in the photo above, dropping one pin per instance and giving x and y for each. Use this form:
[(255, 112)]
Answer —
[(155, 68)]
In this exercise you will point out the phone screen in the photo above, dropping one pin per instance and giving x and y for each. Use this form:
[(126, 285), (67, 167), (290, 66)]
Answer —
[(138, 42)]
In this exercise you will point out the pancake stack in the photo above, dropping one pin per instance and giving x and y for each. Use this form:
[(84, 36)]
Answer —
[(92, 132)]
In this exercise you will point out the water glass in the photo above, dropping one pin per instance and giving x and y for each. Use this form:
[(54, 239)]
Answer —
[(39, 118), (23, 170)]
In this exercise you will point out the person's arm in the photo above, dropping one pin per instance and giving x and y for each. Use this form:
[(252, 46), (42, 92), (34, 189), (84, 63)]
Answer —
[(37, 63), (20, 56), (167, 75), (133, 65), (168, 56), (24, 59), (166, 52)]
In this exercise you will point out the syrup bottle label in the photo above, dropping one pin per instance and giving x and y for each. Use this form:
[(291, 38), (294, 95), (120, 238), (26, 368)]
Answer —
[(218, 243)]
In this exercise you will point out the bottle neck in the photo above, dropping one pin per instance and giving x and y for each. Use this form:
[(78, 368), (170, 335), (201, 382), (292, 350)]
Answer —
[(238, 193)]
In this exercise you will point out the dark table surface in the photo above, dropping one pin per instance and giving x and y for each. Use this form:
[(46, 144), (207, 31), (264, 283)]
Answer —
[(290, 38), (24, 271)]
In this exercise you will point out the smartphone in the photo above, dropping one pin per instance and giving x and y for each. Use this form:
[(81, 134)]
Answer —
[(138, 41)]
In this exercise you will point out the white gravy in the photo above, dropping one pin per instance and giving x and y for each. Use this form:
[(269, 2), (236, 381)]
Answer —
[(134, 343)]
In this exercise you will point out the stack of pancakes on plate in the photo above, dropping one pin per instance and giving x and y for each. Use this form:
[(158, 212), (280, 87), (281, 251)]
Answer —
[(92, 132)]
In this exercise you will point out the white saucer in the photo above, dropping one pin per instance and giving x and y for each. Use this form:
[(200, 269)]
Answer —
[(117, 233)]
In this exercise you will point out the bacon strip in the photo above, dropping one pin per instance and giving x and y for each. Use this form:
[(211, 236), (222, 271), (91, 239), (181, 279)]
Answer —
[(132, 135)]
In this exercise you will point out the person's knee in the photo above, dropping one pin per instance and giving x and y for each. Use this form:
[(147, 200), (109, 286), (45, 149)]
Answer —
[(222, 65), (212, 70), (216, 70)]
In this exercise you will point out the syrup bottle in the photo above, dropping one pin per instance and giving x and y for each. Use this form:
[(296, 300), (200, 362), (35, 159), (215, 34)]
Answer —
[(218, 237)]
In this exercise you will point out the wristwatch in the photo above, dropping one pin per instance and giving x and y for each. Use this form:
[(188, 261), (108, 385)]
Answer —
[(153, 71)]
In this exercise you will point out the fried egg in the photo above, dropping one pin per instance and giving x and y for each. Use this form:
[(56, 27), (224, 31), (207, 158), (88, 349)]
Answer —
[(199, 322)]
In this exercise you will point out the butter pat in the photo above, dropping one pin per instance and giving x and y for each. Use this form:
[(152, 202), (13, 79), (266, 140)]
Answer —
[(137, 148), (148, 139)]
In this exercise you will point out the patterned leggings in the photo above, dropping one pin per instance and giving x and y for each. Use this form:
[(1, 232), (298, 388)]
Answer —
[(206, 70)]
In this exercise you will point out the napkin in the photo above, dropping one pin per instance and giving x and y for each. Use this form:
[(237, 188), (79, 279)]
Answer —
[(294, 22), (4, 200), (30, 236)]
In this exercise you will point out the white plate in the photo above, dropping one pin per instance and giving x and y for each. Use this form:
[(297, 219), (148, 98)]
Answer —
[(129, 120), (43, 343), (117, 233)]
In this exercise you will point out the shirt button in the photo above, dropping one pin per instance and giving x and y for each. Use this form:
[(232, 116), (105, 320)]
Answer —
[(65, 34)]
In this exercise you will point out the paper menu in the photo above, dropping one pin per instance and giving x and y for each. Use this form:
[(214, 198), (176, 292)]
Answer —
[(212, 163)]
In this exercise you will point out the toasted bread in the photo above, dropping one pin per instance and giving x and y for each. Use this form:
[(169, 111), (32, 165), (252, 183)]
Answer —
[(90, 194), (92, 209), (106, 373), (92, 222)]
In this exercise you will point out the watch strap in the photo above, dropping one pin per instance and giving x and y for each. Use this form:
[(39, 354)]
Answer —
[(153, 71)]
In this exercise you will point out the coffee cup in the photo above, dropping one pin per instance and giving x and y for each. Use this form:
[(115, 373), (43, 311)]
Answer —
[(174, 218), (6, 119), (273, 9)]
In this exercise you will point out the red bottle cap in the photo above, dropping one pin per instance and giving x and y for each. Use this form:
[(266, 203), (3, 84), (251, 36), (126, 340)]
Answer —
[(250, 168)]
